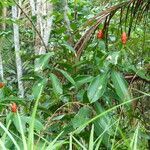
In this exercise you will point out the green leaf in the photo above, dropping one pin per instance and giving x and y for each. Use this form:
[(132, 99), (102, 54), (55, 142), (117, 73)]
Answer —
[(67, 76), (142, 73), (70, 48), (38, 126), (113, 58), (10, 136), (120, 86), (16, 123), (81, 117), (80, 80), (37, 88), (42, 61), (103, 124), (97, 87), (91, 141), (57, 86), (58, 117), (101, 45)]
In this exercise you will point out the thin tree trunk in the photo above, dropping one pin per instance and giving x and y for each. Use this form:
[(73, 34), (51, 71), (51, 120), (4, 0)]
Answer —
[(4, 13), (66, 18), (32, 4), (17, 52), (67, 21), (1, 67), (3, 26), (43, 10)]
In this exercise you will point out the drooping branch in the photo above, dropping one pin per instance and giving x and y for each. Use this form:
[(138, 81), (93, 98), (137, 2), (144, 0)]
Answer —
[(100, 17)]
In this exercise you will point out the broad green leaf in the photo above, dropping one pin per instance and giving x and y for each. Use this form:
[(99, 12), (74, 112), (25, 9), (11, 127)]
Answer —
[(97, 87), (38, 126), (113, 58), (83, 79), (142, 73), (120, 86), (37, 88), (17, 125), (102, 124), (67, 76), (81, 117), (56, 84), (42, 61), (105, 121)]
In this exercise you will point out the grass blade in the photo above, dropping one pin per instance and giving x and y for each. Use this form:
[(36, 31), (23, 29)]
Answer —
[(10, 136)]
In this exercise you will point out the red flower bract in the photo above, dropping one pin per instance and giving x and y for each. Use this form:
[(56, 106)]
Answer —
[(100, 34), (13, 107), (2, 85), (124, 38)]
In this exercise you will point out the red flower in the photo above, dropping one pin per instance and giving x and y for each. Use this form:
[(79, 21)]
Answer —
[(2, 85), (124, 38), (100, 34), (13, 107)]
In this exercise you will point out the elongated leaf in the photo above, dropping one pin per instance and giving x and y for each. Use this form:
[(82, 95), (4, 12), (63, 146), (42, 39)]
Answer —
[(141, 73), (97, 87), (57, 86), (103, 124), (53, 145), (81, 117), (10, 136), (70, 48), (67, 76), (38, 126), (83, 79), (42, 61), (120, 86), (17, 124), (91, 142), (22, 132), (37, 88)]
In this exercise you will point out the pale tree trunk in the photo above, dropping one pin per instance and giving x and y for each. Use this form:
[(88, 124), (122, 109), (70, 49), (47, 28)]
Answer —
[(17, 52), (1, 67), (4, 13), (32, 4), (67, 21), (3, 26), (43, 10), (66, 18)]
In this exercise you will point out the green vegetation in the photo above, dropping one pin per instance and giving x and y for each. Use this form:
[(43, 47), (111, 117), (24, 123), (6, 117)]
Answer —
[(75, 75)]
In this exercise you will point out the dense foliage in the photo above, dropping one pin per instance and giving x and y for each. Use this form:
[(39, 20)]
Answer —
[(90, 89)]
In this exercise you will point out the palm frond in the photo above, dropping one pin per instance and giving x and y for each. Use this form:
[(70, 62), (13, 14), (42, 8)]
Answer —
[(131, 10)]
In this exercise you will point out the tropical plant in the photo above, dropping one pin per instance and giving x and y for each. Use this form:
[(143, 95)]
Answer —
[(80, 78)]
